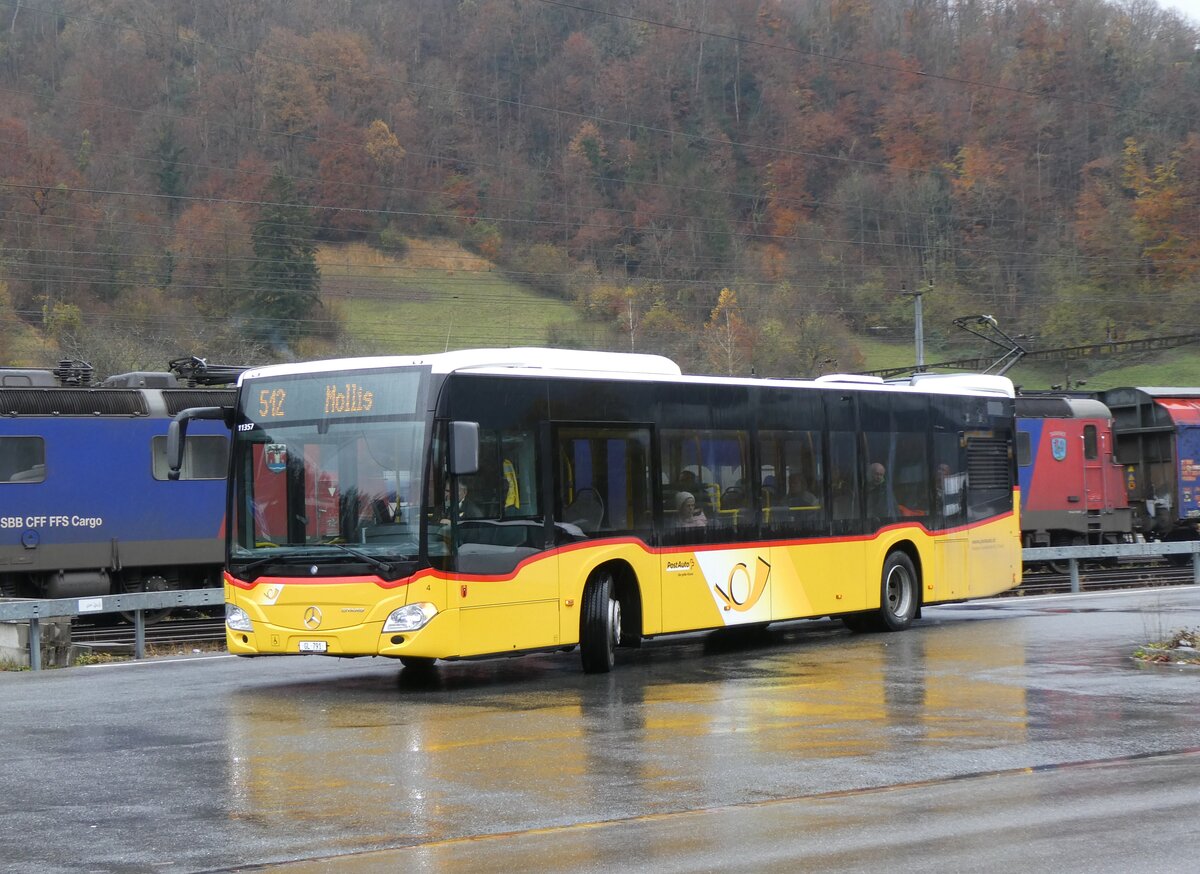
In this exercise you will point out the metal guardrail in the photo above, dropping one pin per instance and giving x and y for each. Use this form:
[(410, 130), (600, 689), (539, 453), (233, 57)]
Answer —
[(1076, 554), (33, 610)]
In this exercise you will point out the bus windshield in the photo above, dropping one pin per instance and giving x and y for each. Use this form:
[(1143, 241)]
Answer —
[(328, 469)]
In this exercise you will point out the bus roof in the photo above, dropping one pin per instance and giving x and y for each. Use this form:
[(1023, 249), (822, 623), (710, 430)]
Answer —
[(517, 357), (570, 362)]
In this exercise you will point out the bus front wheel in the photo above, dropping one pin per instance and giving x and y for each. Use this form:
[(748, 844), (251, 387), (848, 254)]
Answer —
[(599, 624), (897, 598)]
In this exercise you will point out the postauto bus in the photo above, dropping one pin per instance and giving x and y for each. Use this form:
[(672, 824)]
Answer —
[(500, 501)]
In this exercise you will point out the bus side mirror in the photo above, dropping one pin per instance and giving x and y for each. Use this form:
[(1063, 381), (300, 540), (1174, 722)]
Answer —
[(177, 433), (464, 448)]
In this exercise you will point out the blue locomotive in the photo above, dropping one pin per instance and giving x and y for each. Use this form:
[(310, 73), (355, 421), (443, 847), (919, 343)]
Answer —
[(85, 504)]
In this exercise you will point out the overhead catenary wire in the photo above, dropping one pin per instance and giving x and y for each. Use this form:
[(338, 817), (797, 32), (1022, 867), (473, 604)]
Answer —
[(399, 213)]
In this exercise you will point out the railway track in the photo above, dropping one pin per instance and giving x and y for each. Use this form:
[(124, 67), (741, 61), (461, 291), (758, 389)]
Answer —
[(187, 632), (1098, 578), (166, 635)]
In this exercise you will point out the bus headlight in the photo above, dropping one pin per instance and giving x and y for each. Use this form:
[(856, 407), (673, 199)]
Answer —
[(236, 618), (409, 618)]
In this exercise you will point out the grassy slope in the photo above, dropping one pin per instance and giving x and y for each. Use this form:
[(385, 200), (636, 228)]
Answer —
[(437, 297), (440, 296), (1174, 367)]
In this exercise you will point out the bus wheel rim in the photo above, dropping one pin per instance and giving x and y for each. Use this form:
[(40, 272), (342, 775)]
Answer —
[(899, 592), (614, 621)]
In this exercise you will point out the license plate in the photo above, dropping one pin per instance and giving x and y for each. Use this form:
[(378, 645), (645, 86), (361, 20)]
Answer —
[(313, 646)]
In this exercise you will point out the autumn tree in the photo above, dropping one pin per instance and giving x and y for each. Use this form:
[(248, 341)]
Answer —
[(170, 151), (384, 150), (802, 347), (348, 197), (796, 332), (37, 179), (593, 228), (64, 324), (661, 330), (1109, 283), (284, 281), (1166, 208), (640, 315), (287, 89), (726, 336), (9, 323), (213, 254)]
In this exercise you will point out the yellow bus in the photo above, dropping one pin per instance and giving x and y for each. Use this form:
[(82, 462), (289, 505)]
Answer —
[(499, 501)]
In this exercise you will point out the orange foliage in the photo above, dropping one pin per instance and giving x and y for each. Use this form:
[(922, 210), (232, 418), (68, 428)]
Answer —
[(977, 170), (1166, 212)]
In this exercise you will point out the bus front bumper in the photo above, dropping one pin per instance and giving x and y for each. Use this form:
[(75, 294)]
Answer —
[(436, 638)]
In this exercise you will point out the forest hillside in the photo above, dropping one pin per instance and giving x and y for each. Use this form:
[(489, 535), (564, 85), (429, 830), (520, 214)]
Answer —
[(746, 185)]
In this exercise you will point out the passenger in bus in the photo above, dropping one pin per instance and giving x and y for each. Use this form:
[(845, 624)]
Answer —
[(799, 494), (686, 514), (687, 481), (880, 502)]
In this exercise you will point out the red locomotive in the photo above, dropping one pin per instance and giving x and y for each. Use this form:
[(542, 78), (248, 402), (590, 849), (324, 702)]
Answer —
[(1072, 488)]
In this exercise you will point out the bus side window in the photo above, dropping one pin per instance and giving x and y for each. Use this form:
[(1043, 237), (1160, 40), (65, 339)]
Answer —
[(843, 475), (711, 466), (603, 479), (949, 477), (503, 487), (894, 429), (793, 465), (912, 475)]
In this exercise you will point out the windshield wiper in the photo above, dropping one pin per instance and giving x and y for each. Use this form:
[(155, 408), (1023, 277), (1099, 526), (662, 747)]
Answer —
[(251, 571), (387, 571)]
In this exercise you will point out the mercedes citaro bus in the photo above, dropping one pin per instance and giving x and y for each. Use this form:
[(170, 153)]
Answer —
[(500, 501)]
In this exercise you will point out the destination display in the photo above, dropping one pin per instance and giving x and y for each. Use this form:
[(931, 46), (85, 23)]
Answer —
[(307, 398)]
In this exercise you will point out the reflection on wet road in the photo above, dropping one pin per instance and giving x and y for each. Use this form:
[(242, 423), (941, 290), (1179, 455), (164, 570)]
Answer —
[(692, 743), (489, 746)]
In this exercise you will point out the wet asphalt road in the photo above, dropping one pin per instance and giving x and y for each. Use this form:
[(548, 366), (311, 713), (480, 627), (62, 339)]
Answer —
[(990, 735)]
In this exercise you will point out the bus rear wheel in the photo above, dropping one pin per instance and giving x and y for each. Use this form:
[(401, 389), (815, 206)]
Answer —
[(898, 594), (599, 624)]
